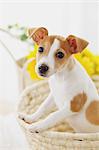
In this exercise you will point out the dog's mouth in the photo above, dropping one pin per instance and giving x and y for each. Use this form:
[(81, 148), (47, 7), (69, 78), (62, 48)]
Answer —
[(45, 75), (42, 74)]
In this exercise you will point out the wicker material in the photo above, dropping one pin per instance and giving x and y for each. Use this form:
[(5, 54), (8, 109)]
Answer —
[(62, 136)]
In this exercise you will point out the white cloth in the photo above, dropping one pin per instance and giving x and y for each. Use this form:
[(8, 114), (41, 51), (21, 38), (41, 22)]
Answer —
[(11, 135)]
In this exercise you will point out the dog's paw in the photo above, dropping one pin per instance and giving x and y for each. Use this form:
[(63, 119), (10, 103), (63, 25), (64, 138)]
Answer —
[(35, 128), (21, 116), (24, 117), (28, 118)]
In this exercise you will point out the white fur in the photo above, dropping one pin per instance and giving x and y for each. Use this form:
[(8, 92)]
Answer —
[(64, 85)]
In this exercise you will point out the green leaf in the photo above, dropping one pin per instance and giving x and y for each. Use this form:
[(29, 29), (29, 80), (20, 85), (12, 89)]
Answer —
[(22, 28), (10, 26), (23, 37)]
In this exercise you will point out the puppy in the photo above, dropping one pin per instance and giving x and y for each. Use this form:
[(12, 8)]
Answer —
[(71, 89)]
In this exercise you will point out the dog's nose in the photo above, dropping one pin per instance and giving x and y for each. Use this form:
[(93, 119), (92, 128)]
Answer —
[(43, 68)]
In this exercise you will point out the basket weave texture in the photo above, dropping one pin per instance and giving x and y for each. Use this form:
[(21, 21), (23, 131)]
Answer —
[(62, 136)]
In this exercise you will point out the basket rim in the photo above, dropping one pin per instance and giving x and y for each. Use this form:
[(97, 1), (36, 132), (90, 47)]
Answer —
[(69, 135)]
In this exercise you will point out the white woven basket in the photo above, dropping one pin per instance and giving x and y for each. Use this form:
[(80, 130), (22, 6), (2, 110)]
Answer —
[(62, 136)]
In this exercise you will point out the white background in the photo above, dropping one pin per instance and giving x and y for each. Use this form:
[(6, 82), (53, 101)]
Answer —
[(64, 18)]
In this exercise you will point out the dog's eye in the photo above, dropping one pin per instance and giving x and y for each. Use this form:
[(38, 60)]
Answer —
[(60, 55), (41, 49)]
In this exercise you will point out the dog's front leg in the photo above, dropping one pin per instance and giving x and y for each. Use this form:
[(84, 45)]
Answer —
[(50, 121), (45, 106)]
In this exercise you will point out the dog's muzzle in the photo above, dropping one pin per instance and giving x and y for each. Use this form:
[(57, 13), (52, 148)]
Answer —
[(43, 69)]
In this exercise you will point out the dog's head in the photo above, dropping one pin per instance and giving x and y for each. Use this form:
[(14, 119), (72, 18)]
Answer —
[(54, 51)]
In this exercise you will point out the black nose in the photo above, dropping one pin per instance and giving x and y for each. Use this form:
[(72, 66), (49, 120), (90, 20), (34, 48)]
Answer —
[(43, 68)]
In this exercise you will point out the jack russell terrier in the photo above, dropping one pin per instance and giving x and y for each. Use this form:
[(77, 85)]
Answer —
[(71, 89)]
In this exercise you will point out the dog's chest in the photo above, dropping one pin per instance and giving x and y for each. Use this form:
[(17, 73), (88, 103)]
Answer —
[(59, 91)]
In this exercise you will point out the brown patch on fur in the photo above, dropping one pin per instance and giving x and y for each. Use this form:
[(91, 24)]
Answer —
[(64, 49), (60, 62), (78, 102), (64, 45), (46, 43), (92, 113)]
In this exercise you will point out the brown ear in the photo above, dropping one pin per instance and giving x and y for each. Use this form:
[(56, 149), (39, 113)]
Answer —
[(76, 44), (37, 34)]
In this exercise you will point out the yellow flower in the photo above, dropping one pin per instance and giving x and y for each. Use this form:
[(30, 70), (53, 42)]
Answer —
[(33, 53), (89, 61), (96, 61), (31, 65), (31, 70)]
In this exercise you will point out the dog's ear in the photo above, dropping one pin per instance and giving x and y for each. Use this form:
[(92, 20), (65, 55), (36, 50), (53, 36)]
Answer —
[(75, 44), (37, 34)]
